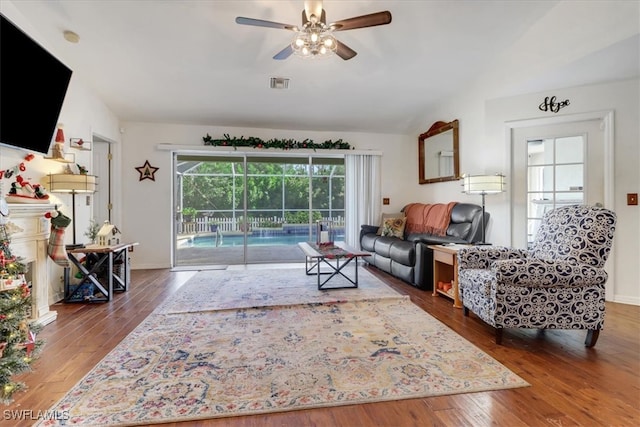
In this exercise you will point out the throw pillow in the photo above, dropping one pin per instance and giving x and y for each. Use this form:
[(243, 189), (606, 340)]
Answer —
[(394, 227), (388, 216)]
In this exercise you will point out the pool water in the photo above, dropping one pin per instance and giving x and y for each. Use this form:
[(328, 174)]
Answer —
[(228, 241)]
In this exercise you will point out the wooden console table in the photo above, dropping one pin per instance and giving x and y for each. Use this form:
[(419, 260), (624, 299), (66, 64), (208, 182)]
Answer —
[(115, 281), (445, 269)]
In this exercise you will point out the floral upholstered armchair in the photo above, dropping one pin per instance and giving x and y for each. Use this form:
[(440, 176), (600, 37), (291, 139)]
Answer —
[(558, 283)]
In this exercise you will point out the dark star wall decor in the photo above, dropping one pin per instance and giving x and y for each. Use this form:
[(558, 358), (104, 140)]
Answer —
[(147, 171)]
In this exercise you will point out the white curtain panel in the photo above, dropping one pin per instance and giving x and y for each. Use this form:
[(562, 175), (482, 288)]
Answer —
[(363, 194)]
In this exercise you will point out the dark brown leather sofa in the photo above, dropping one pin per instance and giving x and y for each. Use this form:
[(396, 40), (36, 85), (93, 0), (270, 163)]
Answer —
[(410, 259)]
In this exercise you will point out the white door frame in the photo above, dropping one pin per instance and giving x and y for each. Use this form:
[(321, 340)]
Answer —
[(607, 118)]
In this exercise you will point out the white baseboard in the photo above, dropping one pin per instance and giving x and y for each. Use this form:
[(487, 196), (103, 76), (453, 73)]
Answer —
[(623, 299), (149, 266)]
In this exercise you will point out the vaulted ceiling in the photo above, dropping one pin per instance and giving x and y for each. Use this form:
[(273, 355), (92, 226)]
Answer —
[(189, 62)]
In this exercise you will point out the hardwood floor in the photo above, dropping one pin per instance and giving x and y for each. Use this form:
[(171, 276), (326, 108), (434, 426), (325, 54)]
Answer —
[(570, 384)]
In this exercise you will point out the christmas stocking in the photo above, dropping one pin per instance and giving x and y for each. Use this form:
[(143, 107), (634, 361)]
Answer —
[(56, 249)]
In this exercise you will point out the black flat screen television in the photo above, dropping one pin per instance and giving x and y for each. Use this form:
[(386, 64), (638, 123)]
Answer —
[(33, 84)]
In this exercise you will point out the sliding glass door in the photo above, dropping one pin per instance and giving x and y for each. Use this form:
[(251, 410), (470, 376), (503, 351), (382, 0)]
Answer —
[(253, 208)]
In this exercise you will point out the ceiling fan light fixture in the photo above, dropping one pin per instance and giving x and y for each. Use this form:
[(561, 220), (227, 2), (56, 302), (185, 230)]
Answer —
[(315, 40)]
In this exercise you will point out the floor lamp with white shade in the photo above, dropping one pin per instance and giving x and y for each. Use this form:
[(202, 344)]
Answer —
[(74, 184), (483, 185)]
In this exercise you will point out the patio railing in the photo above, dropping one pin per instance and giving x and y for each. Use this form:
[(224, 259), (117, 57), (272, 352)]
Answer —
[(205, 224)]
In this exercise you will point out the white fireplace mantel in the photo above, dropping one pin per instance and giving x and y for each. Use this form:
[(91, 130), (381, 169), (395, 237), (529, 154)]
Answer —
[(30, 243)]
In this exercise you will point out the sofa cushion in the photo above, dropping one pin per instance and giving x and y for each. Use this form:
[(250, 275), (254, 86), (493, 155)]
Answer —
[(383, 263), (403, 252), (393, 227), (383, 245), (403, 272), (464, 212), (368, 242), (459, 230)]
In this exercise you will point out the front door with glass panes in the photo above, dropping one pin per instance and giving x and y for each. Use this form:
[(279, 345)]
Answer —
[(554, 166)]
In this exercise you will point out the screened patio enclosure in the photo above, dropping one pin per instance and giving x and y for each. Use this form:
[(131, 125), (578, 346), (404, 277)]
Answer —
[(253, 208)]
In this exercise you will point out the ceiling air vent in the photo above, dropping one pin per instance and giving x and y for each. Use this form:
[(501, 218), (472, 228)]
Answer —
[(279, 83)]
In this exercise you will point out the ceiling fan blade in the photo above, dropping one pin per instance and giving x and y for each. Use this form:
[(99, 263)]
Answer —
[(284, 53), (371, 20), (344, 51), (262, 23)]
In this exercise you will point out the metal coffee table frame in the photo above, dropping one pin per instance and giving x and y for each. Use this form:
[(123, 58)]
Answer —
[(315, 257)]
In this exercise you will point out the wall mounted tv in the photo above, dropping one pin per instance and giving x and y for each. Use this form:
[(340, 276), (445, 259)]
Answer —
[(33, 84)]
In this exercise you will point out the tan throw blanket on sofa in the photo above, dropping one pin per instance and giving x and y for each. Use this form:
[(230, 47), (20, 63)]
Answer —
[(428, 218)]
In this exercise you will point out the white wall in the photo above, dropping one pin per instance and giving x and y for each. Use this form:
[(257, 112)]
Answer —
[(147, 203)]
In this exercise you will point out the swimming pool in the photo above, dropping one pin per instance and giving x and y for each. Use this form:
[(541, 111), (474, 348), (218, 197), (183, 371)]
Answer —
[(252, 240)]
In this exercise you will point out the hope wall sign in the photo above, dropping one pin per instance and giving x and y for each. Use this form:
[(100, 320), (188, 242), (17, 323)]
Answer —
[(550, 104)]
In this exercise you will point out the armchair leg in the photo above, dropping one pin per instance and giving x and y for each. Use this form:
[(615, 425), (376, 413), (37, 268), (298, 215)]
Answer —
[(592, 337), (499, 336)]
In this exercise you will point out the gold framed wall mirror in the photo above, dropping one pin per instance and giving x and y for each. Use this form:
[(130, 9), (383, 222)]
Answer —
[(438, 159)]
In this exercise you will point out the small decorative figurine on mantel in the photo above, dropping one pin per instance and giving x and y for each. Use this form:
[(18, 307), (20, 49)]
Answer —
[(24, 192)]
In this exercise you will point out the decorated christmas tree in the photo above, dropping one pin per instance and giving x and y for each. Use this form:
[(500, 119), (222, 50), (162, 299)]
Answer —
[(18, 344)]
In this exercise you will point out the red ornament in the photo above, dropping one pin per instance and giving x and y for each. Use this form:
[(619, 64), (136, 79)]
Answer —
[(30, 345), (59, 135)]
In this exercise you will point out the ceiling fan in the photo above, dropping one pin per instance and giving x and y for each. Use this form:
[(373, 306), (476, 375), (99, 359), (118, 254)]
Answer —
[(315, 38)]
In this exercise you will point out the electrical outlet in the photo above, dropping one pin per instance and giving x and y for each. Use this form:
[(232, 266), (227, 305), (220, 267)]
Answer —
[(88, 200), (632, 199)]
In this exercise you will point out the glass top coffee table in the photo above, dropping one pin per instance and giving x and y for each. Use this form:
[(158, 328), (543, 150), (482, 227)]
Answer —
[(336, 255)]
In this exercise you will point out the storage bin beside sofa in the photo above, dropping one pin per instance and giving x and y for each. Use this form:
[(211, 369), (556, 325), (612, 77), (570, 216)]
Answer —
[(410, 259)]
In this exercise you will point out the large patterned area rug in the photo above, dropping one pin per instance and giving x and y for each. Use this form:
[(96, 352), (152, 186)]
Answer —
[(245, 342)]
